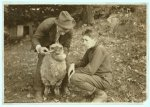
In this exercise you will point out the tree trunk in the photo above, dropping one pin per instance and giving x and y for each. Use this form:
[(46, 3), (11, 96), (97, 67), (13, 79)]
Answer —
[(88, 16)]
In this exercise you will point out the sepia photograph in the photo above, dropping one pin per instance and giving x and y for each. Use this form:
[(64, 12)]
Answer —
[(67, 53)]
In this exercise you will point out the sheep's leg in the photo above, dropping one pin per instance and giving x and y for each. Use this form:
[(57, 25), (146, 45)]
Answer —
[(57, 88), (46, 84), (52, 90), (47, 88), (46, 91), (57, 91)]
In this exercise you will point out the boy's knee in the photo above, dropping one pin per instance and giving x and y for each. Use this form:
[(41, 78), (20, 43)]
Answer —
[(75, 78)]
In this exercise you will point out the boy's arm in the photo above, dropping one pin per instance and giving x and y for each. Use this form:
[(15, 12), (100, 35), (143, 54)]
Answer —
[(95, 63), (83, 62)]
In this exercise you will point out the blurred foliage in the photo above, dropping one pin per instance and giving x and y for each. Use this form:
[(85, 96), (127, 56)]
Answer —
[(22, 13), (15, 14)]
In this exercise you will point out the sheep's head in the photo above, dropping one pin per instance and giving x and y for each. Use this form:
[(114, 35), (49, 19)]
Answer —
[(57, 52)]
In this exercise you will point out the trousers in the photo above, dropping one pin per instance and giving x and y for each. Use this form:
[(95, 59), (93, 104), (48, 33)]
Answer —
[(88, 82)]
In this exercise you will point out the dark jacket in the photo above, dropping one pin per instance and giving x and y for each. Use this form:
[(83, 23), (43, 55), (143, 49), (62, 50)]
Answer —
[(96, 61), (45, 35)]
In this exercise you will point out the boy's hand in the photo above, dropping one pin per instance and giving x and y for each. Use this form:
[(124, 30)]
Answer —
[(71, 71)]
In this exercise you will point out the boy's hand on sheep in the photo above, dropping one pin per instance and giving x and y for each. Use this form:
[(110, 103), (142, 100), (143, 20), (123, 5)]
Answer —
[(71, 71)]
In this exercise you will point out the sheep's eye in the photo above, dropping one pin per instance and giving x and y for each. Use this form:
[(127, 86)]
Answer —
[(61, 48)]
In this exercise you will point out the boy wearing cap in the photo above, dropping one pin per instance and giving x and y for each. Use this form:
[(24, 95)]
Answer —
[(93, 73), (51, 30)]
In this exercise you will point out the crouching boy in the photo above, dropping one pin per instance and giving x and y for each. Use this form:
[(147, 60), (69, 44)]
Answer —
[(93, 72)]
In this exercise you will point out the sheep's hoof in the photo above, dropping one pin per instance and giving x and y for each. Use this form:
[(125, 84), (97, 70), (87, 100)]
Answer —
[(44, 98)]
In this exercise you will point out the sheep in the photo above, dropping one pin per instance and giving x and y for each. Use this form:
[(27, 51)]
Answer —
[(53, 69)]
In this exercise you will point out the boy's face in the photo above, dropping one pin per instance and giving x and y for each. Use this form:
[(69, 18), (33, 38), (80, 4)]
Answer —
[(88, 41)]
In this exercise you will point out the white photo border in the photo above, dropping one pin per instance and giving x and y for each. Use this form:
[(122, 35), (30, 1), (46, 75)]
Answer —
[(2, 104)]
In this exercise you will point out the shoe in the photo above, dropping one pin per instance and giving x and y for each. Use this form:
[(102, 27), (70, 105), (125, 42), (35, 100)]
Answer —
[(100, 96), (38, 97), (88, 97)]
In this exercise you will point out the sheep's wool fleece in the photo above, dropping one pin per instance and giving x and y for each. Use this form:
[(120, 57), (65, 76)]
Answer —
[(52, 71)]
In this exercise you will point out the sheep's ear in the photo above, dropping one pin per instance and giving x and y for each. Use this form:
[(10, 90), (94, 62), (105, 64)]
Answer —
[(51, 50)]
